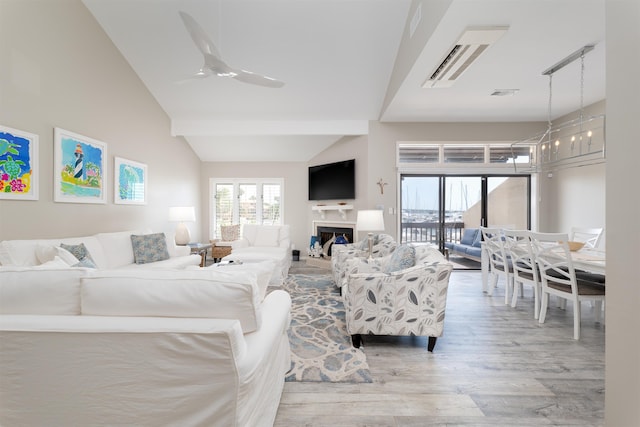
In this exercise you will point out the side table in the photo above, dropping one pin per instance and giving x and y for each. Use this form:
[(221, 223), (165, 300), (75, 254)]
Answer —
[(200, 249)]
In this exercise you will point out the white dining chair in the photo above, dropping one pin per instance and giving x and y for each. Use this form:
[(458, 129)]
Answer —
[(589, 236), (499, 265), (559, 277), (517, 244)]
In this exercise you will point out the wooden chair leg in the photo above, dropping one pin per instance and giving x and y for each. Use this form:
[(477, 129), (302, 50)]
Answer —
[(432, 343)]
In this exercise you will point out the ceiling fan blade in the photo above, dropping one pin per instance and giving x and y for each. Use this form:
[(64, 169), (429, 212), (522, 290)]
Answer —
[(202, 74), (200, 38), (257, 79), (213, 63)]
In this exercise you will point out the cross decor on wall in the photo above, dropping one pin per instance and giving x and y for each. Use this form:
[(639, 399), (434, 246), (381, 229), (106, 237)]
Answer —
[(381, 184)]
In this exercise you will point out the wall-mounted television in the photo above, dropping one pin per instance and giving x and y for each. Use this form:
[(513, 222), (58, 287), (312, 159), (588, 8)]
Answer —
[(333, 181)]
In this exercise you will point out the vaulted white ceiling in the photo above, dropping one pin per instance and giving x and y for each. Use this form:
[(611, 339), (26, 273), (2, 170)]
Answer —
[(346, 62)]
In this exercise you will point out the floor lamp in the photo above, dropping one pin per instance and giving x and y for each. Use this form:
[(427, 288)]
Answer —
[(370, 221), (182, 215)]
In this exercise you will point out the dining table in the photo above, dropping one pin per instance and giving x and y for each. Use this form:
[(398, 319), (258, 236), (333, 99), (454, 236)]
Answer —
[(587, 259)]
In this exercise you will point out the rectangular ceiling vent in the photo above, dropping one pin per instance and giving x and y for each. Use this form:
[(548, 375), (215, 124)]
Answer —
[(467, 49)]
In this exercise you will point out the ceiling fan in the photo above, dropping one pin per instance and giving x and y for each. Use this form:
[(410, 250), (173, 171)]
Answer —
[(213, 63)]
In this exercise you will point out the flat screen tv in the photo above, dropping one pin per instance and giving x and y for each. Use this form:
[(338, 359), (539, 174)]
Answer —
[(333, 181)]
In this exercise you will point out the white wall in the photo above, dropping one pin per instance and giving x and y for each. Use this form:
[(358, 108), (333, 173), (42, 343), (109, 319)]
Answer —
[(382, 151), (622, 386), (59, 69), (297, 208)]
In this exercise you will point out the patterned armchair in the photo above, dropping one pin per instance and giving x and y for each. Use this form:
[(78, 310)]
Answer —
[(383, 245), (385, 299)]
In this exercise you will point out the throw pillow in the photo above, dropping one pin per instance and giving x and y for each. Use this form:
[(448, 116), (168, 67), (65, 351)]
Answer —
[(229, 233), (79, 251), (46, 254), (86, 263), (149, 248), (403, 257)]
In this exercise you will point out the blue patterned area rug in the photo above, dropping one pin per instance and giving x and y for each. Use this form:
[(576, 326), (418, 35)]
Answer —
[(321, 349)]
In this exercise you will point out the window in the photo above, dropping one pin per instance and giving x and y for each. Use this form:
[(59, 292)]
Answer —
[(245, 201), (438, 155)]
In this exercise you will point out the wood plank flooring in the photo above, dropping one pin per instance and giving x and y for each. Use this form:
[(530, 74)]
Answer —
[(494, 366)]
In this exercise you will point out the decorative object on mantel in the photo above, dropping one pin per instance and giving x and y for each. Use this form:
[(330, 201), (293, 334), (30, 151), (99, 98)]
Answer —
[(370, 220), (381, 184), (578, 142)]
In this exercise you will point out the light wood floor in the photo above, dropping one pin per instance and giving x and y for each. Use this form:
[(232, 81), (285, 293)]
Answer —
[(494, 366)]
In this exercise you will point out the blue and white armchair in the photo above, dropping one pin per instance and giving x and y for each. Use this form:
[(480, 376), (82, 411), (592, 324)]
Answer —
[(383, 245), (404, 293)]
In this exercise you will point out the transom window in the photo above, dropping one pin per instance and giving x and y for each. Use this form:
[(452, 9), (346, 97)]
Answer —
[(440, 154)]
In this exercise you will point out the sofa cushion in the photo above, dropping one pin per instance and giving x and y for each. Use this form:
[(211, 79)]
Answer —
[(477, 241), (468, 236), (117, 247), (149, 248), (47, 253), (40, 290), (205, 293), (267, 236), (403, 257)]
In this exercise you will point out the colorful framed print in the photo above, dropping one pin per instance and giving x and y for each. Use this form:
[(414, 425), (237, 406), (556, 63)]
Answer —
[(80, 168), (130, 182), (19, 174)]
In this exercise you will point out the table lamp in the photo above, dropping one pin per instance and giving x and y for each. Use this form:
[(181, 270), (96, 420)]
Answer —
[(370, 220), (181, 215)]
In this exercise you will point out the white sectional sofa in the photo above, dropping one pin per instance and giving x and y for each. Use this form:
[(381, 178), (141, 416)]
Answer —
[(189, 347), (264, 243), (107, 251)]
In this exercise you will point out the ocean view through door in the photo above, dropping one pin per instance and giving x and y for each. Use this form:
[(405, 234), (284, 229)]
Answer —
[(437, 209)]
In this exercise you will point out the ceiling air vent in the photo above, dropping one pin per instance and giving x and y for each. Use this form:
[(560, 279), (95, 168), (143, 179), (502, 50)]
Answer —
[(467, 49)]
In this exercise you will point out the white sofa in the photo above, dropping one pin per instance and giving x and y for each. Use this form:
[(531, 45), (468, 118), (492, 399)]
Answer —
[(185, 347), (107, 250), (264, 243)]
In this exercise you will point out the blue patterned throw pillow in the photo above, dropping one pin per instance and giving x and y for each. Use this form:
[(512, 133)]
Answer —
[(403, 257), (149, 248), (82, 255), (79, 251)]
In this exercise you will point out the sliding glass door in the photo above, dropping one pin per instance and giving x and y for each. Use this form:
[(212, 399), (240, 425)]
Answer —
[(438, 208)]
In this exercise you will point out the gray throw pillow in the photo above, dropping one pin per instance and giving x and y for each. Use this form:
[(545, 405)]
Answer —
[(149, 248), (403, 257)]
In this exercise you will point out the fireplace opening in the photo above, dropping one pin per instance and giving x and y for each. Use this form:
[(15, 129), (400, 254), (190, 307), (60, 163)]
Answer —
[(326, 236)]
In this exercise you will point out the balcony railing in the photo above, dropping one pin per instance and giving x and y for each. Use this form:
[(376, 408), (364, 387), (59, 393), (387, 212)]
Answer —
[(429, 232)]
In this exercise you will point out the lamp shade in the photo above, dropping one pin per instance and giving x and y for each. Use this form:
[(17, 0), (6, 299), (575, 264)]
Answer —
[(182, 214), (370, 220)]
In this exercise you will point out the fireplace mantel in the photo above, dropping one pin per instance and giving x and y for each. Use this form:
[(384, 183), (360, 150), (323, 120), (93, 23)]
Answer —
[(342, 210)]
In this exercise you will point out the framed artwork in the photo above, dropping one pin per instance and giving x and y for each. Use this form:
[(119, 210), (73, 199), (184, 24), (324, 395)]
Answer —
[(80, 168), (130, 182), (18, 164)]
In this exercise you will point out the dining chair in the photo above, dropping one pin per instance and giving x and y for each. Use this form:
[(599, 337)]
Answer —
[(518, 247), (499, 265), (589, 236), (561, 279)]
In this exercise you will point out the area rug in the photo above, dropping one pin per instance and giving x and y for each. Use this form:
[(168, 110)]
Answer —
[(321, 349)]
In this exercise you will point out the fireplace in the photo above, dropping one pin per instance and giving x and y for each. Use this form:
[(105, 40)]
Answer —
[(326, 234)]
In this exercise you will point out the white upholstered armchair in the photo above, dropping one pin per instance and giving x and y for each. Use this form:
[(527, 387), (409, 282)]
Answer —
[(383, 245), (385, 297)]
